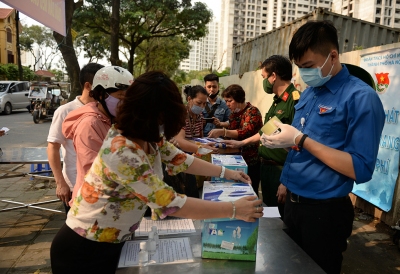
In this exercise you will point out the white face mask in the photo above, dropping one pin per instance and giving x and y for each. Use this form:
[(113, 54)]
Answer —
[(313, 76)]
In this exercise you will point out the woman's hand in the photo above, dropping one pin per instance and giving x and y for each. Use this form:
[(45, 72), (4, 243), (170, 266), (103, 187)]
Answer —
[(248, 209), (174, 142), (210, 146), (237, 176), (216, 132), (217, 122), (233, 143)]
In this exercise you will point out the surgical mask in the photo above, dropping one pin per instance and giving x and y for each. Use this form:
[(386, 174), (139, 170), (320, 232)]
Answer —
[(313, 76), (112, 104), (268, 87), (212, 96), (196, 109)]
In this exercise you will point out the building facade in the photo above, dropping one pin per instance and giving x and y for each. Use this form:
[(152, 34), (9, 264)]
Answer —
[(383, 12), (8, 36), (203, 53), (242, 20)]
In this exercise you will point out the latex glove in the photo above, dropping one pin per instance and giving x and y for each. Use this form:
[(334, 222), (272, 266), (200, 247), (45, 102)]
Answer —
[(286, 138)]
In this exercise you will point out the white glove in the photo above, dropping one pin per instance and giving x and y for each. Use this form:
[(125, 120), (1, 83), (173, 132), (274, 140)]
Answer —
[(286, 138)]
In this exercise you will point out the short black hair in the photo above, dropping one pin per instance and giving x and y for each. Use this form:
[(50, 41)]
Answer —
[(192, 91), (211, 77), (236, 92), (152, 100), (318, 36), (87, 73), (280, 65)]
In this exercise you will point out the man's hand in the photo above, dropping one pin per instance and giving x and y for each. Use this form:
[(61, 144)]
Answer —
[(286, 138), (281, 194), (63, 191)]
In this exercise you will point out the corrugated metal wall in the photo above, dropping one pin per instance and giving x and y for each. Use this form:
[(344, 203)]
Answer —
[(352, 33)]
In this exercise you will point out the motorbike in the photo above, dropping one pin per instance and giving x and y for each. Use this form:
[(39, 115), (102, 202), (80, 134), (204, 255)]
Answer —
[(45, 98)]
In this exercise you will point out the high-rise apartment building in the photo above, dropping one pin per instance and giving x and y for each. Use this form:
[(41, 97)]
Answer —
[(383, 12), (203, 53), (242, 20)]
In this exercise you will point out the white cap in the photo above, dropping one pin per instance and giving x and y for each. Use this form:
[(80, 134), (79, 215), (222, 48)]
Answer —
[(143, 246)]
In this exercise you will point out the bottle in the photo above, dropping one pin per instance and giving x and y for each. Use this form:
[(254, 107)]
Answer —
[(143, 254), (151, 244), (156, 236)]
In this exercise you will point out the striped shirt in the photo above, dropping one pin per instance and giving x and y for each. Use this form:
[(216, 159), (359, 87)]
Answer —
[(194, 126)]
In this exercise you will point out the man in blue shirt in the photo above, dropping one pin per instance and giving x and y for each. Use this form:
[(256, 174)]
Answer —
[(215, 107), (335, 137)]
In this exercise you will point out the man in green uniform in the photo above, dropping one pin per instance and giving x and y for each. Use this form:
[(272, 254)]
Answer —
[(277, 73)]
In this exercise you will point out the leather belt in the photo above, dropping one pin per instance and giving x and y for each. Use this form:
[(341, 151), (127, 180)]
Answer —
[(269, 162), (294, 198)]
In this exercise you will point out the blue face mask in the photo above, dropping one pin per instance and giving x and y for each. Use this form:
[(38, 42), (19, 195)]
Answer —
[(313, 76), (196, 109)]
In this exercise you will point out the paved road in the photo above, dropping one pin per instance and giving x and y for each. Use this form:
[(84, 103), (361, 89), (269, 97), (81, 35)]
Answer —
[(23, 131)]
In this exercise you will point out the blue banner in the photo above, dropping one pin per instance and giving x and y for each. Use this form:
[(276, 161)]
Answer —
[(384, 67)]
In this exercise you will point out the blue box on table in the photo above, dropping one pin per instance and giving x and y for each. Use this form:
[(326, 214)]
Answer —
[(234, 162), (225, 238)]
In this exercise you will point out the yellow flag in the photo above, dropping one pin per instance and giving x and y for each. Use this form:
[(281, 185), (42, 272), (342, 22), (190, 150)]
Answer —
[(73, 34)]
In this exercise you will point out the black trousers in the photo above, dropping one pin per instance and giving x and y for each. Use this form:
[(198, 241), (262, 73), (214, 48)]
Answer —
[(71, 253), (321, 230), (254, 174)]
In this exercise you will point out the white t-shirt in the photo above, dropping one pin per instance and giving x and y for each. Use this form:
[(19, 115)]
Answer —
[(67, 145)]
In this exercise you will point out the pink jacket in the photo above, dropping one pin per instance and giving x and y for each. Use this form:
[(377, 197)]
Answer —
[(87, 127)]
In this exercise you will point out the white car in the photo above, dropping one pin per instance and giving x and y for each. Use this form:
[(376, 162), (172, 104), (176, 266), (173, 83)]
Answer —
[(13, 95)]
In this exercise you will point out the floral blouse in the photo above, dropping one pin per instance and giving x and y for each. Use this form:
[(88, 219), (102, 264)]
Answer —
[(119, 186), (247, 122)]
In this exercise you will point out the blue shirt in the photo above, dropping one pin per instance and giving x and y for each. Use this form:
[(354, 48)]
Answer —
[(222, 113), (345, 114)]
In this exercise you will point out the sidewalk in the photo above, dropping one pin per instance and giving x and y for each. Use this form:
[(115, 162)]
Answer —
[(26, 234)]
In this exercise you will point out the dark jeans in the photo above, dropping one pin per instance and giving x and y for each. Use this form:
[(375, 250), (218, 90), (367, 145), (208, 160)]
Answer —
[(254, 174), (321, 230), (71, 253), (270, 181)]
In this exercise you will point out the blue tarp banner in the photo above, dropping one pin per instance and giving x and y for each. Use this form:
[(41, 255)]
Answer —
[(384, 67)]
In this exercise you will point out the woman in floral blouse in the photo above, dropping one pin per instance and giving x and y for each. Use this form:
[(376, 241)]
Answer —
[(245, 121), (126, 177)]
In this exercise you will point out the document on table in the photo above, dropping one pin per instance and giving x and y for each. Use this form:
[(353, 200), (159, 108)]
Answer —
[(169, 251), (165, 226), (271, 212)]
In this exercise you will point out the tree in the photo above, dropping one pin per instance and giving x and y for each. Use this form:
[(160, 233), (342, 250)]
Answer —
[(163, 54), (39, 42), (11, 72), (66, 47), (142, 21)]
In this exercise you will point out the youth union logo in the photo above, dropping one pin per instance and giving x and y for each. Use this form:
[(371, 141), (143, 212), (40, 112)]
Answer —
[(382, 82)]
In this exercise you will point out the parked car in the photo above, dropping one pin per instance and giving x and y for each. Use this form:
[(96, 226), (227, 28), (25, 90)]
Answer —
[(13, 95)]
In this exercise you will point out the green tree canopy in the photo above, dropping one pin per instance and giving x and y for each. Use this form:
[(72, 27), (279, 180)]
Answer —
[(144, 20)]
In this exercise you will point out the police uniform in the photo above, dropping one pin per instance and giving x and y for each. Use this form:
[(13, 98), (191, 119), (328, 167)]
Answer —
[(272, 160)]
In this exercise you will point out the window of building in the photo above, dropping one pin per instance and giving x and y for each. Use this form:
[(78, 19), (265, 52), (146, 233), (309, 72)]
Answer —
[(378, 2), (9, 36), (9, 19), (10, 57), (377, 20), (378, 10)]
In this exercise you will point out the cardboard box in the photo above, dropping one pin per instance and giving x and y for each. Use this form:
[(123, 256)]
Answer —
[(234, 162), (228, 239)]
